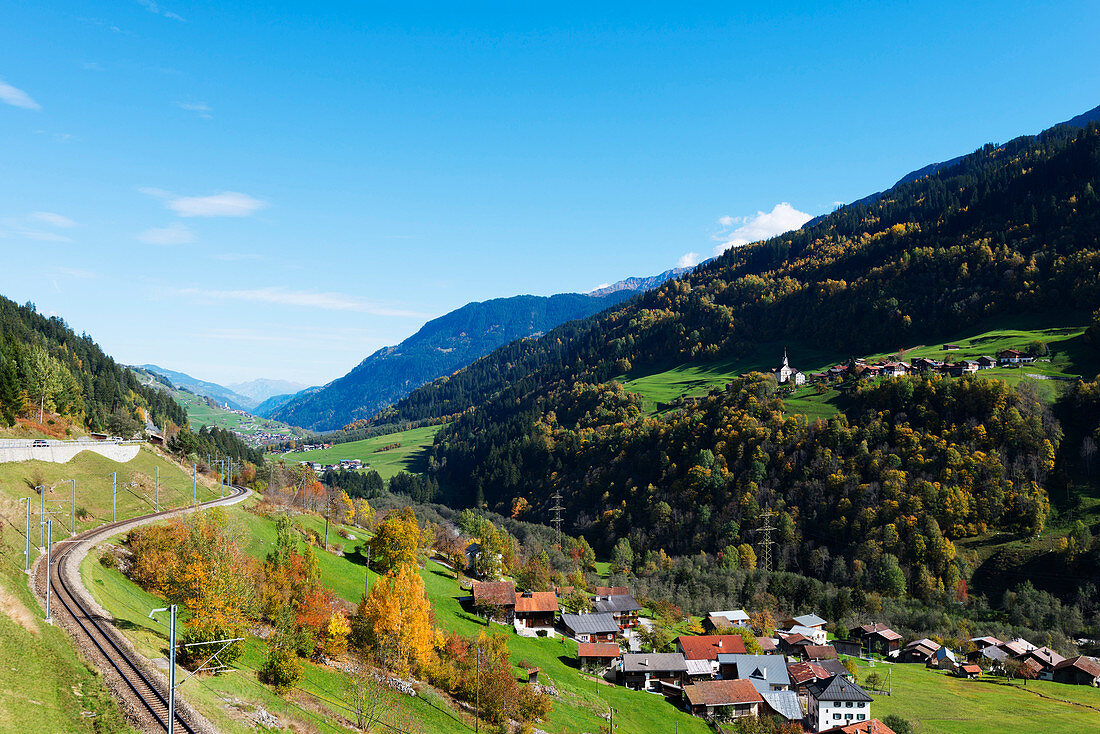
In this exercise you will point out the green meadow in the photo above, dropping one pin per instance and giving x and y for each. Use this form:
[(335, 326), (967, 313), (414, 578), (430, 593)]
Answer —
[(410, 456)]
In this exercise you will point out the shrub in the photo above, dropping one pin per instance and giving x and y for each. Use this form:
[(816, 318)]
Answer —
[(281, 670)]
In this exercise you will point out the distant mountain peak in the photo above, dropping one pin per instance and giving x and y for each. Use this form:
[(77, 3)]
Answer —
[(638, 283)]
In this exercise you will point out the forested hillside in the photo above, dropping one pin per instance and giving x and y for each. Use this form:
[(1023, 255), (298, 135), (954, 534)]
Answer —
[(442, 346), (45, 365), (909, 467)]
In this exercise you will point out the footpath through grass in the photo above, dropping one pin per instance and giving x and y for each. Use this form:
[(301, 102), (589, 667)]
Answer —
[(410, 456)]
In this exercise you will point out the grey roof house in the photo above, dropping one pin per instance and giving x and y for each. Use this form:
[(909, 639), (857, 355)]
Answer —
[(766, 672)]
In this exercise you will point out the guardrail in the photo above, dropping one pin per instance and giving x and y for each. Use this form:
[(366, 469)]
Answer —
[(19, 443)]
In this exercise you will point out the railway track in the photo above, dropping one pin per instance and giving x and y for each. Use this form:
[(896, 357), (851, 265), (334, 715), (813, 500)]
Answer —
[(146, 691)]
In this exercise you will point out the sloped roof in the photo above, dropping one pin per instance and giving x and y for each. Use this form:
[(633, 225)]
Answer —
[(590, 624), (804, 672), (618, 603), (1045, 656), (536, 601), (801, 629), (733, 615), (612, 591), (641, 662), (598, 650), (970, 669), (833, 667), (1082, 663), (819, 652), (808, 620), (980, 641), (871, 726), (767, 644), (502, 593), (699, 667), (763, 670), (707, 647), (784, 703), (721, 693), (878, 628), (837, 688)]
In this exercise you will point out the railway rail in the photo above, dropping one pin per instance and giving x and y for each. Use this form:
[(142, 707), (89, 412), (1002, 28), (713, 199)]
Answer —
[(145, 691)]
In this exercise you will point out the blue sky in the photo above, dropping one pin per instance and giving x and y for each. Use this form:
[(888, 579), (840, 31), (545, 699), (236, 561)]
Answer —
[(278, 189)]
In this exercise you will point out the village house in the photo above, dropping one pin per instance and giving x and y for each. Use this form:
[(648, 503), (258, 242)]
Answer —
[(1045, 658), (818, 652), (708, 647), (918, 651), (835, 702), (922, 364), (595, 656), (768, 645), (968, 670), (785, 374), (1013, 356), (963, 367), (802, 674), (792, 643), (816, 635), (732, 698), (895, 369), (620, 606), (698, 670), (1078, 671), (950, 347), (495, 600), (766, 672), (942, 657), (725, 619), (590, 627), (986, 363), (809, 621), (652, 671), (536, 610), (612, 591), (875, 639), (1016, 647)]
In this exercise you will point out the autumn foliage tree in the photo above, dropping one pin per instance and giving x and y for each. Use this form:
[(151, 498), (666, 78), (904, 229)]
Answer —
[(396, 541), (394, 621)]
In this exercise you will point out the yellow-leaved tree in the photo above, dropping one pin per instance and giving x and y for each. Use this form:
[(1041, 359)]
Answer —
[(394, 622), (396, 542)]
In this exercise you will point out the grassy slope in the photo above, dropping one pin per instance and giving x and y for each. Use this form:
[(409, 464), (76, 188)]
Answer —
[(202, 414), (410, 456), (576, 712), (943, 704), (1062, 333), (45, 686)]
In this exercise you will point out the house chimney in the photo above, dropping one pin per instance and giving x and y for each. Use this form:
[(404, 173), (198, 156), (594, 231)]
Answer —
[(719, 643)]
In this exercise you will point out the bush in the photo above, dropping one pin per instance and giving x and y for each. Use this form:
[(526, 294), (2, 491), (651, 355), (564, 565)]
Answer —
[(898, 724), (108, 560), (281, 670)]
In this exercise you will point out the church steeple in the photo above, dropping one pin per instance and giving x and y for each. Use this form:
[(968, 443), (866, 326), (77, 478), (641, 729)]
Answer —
[(785, 357)]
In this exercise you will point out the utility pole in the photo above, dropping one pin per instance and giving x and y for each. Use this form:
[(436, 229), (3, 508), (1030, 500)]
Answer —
[(477, 690), (49, 562), (194, 484), (765, 543), (72, 510), (27, 551), (556, 509), (114, 502), (158, 489), (171, 665), (41, 512), (366, 589)]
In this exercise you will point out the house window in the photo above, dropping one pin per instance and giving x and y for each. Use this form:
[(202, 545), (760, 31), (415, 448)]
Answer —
[(847, 716), (860, 717), (848, 704), (836, 716)]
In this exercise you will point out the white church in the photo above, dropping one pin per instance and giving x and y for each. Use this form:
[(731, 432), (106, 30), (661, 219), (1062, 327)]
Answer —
[(787, 375)]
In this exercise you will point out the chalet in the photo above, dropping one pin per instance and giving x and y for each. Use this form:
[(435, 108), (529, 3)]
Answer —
[(650, 671), (1046, 658), (950, 347), (536, 609), (495, 600), (836, 702), (963, 367), (986, 363), (728, 698), (1016, 647), (815, 635), (590, 627), (895, 369), (968, 670), (792, 643), (785, 374), (980, 643), (698, 670), (925, 365), (848, 647), (725, 619), (766, 672), (1080, 671), (837, 372), (612, 591), (872, 726), (818, 652), (802, 674), (597, 655), (992, 654), (812, 621), (918, 651), (818, 377), (708, 647), (875, 638), (621, 606), (1013, 356)]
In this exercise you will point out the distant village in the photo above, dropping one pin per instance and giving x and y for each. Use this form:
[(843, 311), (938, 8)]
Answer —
[(859, 368), (798, 672)]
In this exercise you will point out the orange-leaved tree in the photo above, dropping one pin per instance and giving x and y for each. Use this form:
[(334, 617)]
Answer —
[(394, 622), (396, 541)]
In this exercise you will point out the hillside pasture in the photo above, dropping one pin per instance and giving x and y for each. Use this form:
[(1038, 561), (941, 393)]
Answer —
[(410, 456)]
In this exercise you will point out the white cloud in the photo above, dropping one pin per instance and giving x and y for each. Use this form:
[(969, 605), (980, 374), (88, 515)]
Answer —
[(742, 230), (17, 97), (225, 204), (174, 234), (75, 273), (55, 220), (688, 260), (303, 299), (200, 108), (153, 7), (31, 234)]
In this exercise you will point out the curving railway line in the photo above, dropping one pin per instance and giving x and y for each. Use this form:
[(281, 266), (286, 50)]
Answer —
[(144, 691)]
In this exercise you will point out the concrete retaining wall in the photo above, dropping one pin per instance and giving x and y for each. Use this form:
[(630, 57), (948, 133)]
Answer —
[(60, 452)]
